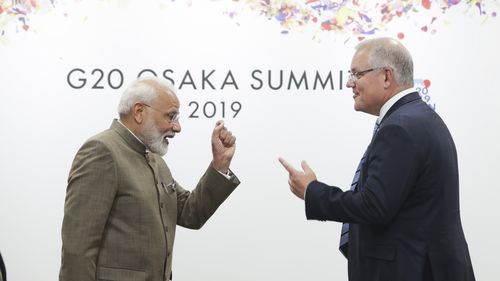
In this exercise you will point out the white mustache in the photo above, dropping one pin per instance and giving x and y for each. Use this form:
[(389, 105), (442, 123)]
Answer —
[(169, 134)]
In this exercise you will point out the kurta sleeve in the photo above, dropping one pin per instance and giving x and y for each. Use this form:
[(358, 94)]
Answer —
[(196, 207)]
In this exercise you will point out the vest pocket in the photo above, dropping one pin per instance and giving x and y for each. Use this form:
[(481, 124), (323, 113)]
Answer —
[(120, 274)]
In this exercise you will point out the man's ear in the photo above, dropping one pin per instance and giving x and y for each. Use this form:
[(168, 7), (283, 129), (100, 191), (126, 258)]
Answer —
[(389, 77), (138, 112)]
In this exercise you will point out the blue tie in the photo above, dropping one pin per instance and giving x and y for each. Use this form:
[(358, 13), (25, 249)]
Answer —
[(344, 235)]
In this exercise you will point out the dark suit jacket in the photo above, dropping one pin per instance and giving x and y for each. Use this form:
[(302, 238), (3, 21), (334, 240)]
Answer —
[(122, 208), (3, 276), (404, 215)]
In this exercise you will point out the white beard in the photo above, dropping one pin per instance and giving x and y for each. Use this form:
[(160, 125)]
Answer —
[(154, 139)]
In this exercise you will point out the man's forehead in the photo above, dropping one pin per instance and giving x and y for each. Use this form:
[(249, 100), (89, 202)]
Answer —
[(360, 58), (167, 99)]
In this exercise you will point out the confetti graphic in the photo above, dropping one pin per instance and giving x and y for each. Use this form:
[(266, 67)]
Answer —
[(361, 19), (354, 18), (18, 12)]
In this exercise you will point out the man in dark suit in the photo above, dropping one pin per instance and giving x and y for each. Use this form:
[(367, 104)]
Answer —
[(401, 217), (3, 273)]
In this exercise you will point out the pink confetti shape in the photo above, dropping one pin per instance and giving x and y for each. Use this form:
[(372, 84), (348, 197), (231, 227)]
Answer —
[(426, 4), (327, 25)]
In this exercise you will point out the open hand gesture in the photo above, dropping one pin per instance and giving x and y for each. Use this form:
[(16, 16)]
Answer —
[(298, 180)]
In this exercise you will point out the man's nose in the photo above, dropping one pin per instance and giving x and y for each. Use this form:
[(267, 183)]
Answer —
[(176, 127), (350, 84)]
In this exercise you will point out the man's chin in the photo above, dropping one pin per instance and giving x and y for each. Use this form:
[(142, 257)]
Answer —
[(358, 106), (163, 150), (159, 149)]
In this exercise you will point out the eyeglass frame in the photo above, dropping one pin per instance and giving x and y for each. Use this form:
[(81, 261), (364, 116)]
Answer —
[(172, 119), (356, 75)]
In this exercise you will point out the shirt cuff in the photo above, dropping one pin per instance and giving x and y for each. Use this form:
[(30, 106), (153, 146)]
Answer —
[(227, 175)]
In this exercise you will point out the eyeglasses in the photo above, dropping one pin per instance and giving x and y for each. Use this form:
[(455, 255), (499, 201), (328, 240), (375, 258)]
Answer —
[(356, 75), (170, 118)]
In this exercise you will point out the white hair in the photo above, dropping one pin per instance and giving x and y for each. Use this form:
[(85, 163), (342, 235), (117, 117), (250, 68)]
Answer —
[(388, 52), (142, 90)]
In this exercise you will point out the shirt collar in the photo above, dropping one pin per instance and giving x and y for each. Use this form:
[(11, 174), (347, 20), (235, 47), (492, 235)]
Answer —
[(388, 104)]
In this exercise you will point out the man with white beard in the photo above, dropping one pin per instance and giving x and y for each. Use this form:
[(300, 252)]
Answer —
[(122, 203)]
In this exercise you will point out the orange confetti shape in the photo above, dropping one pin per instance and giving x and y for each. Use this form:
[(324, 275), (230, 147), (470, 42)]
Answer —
[(26, 27), (424, 29), (401, 35), (426, 4), (427, 83)]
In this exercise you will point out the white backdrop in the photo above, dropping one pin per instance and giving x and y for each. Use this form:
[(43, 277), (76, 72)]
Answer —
[(260, 232)]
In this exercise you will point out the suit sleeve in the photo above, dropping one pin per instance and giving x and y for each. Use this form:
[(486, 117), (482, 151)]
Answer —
[(92, 186), (391, 173), (196, 207)]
